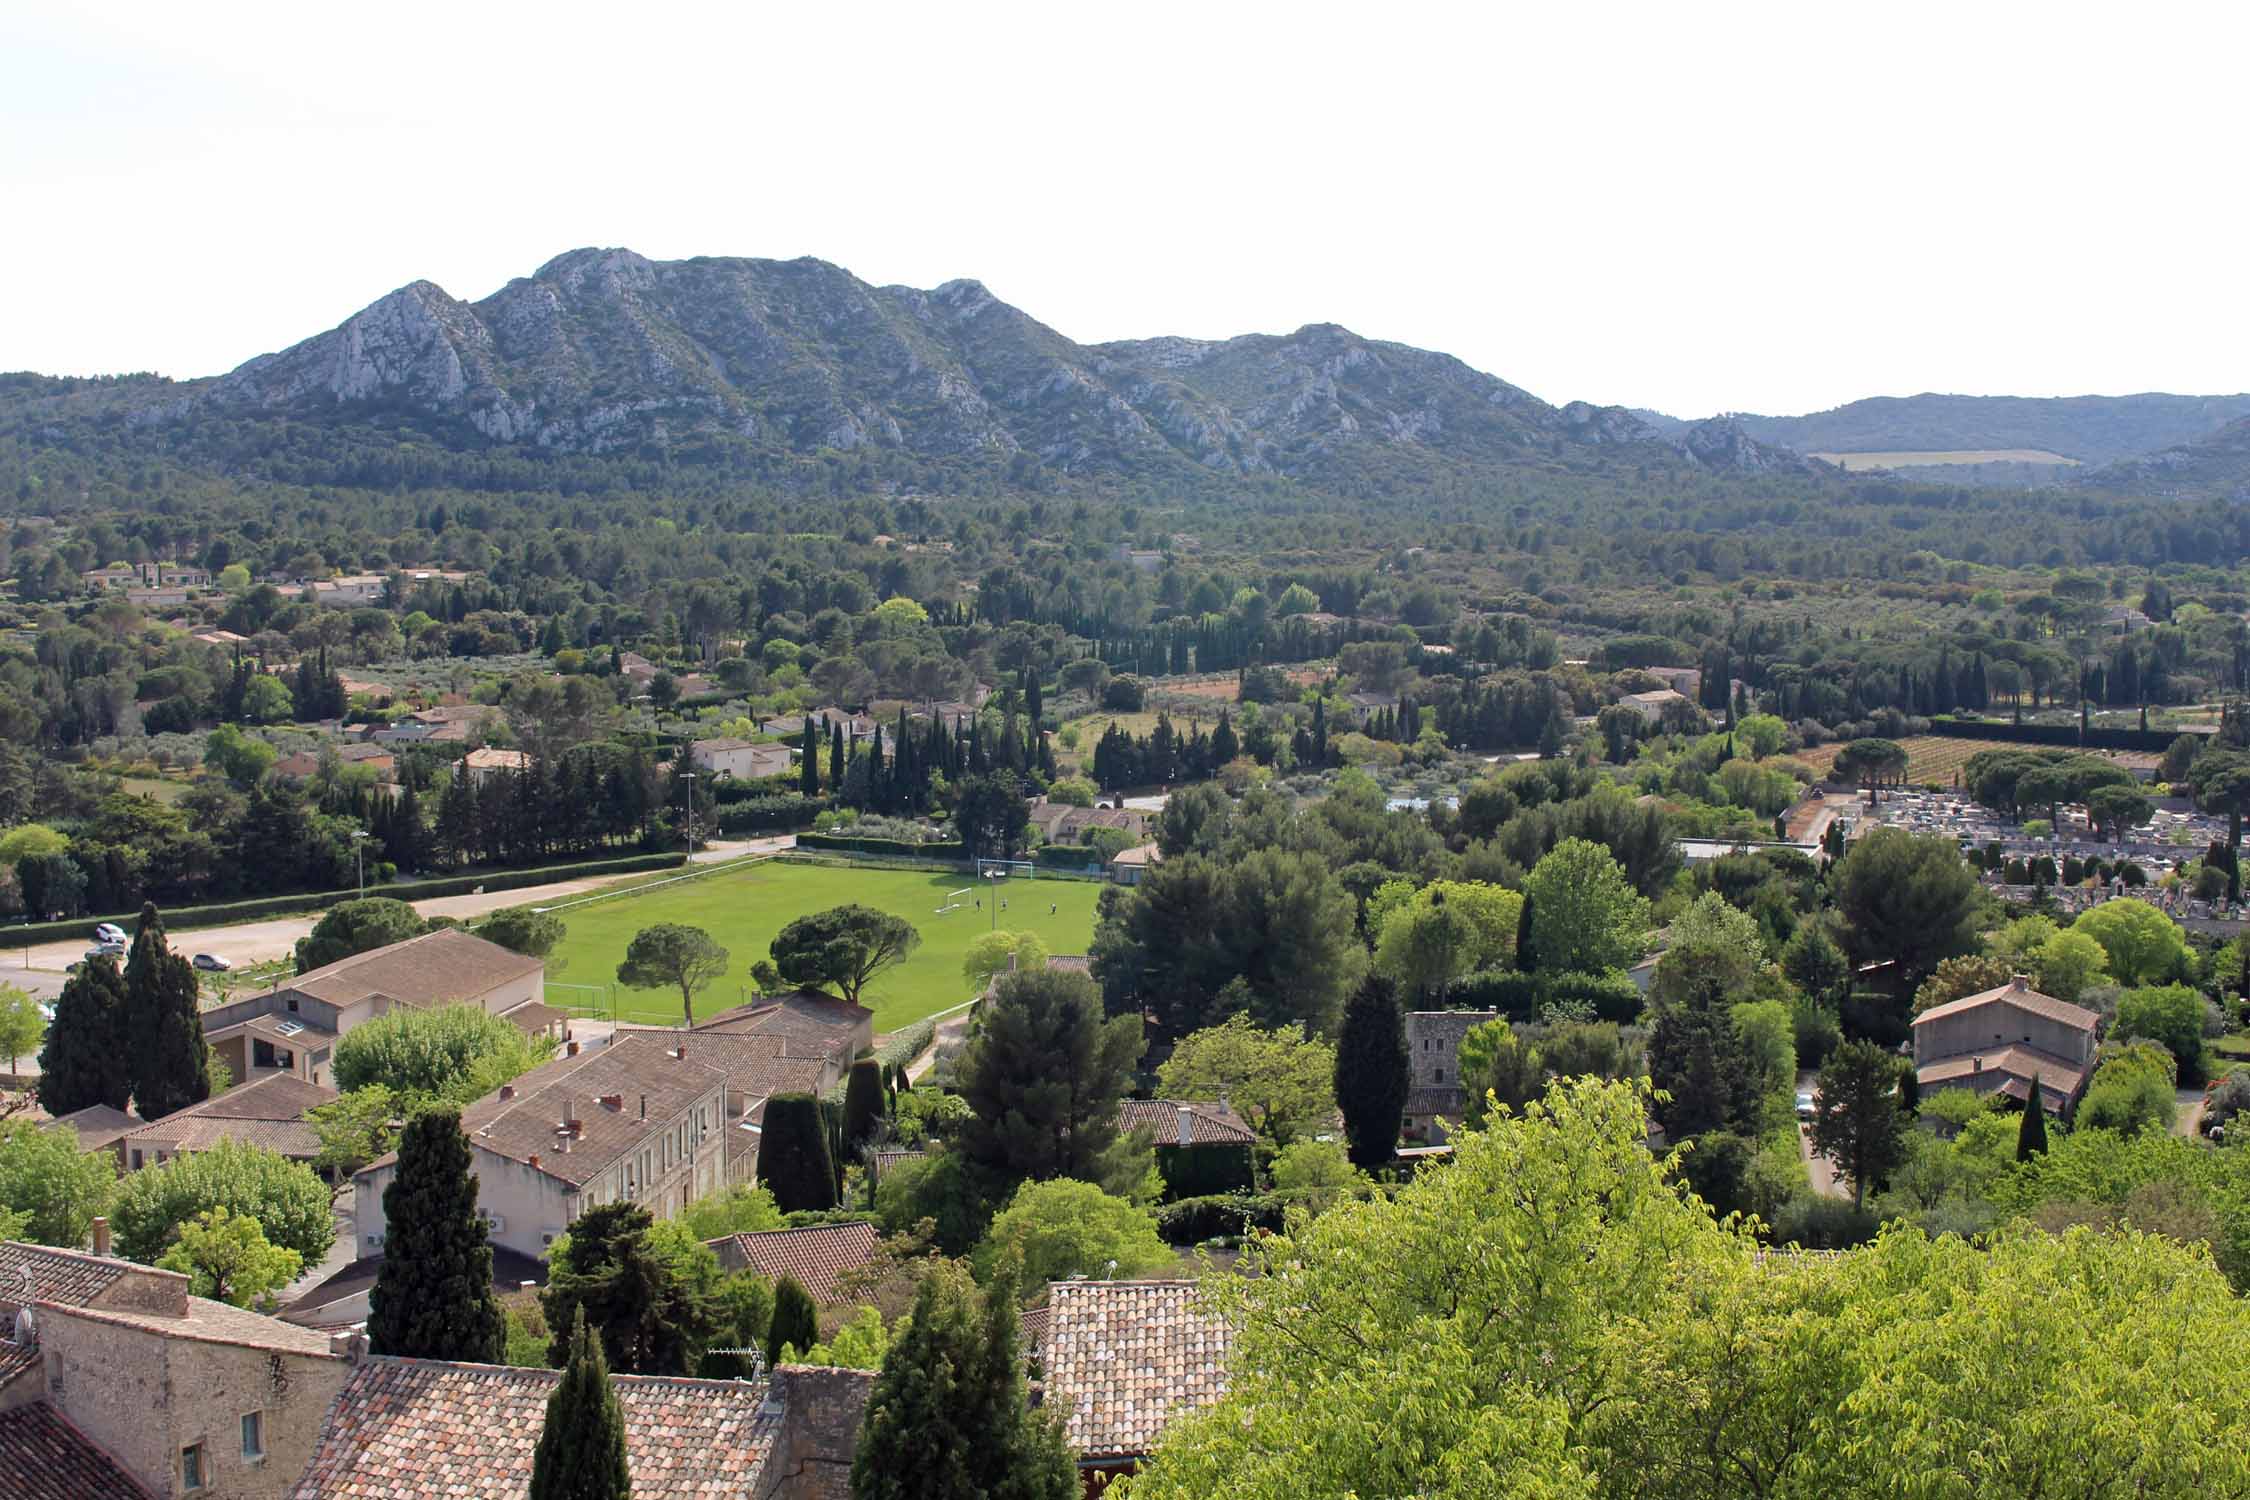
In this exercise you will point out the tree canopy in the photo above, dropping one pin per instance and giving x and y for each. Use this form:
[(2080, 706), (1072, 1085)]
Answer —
[(1585, 917), (359, 926), (1043, 1076), (843, 948)]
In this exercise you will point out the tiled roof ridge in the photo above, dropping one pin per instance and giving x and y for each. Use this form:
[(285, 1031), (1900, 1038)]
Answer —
[(353, 960), (574, 1067), (2018, 991), (542, 1372), (205, 1108), (183, 1326)]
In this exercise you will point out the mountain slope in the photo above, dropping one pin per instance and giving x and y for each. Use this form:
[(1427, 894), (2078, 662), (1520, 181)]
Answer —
[(2091, 429), (604, 351), (2216, 467)]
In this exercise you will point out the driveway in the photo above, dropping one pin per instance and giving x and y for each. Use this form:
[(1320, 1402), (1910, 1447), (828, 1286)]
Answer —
[(274, 938), (1819, 1170)]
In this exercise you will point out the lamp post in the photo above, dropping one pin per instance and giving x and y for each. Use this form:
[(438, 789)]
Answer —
[(359, 859), (689, 778)]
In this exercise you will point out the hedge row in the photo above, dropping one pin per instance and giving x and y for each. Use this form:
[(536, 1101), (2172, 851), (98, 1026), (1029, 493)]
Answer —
[(1068, 856), (784, 814), (223, 913), (904, 1045), (950, 849), (2061, 736), (1521, 997)]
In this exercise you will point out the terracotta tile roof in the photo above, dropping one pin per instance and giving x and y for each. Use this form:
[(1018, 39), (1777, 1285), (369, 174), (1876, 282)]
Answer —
[(487, 759), (39, 1273), (409, 1427), (283, 1030), (209, 1322), (1186, 1122), (98, 1125), (449, 964), (2023, 997), (266, 1112), (519, 1120), (808, 1014), (1035, 1321), (2017, 1061), (816, 1256), (15, 1359), (43, 1457), (1124, 1357)]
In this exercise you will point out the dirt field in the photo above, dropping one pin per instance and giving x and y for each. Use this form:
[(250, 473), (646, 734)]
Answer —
[(1935, 759)]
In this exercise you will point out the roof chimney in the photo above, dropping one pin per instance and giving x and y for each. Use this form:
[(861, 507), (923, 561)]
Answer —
[(101, 1235), (2019, 982), (681, 1052), (534, 1161), (644, 1106), (1976, 1065), (571, 1050), (1187, 1126), (507, 1092)]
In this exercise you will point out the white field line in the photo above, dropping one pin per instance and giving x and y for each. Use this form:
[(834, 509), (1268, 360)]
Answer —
[(656, 885)]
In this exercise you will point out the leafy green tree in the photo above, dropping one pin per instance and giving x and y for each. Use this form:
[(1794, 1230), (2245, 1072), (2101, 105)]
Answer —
[(794, 1162), (2220, 778), (795, 1325), (21, 1023), (1371, 1074), (861, 1343), (651, 1319), (355, 1128), (844, 947), (87, 1057), (519, 929), (1058, 1229), (2143, 944), (457, 1052), (1585, 916), (2171, 1015), (1316, 1173), (992, 954), (581, 1452), (671, 955), (949, 1417), (2031, 1132), (2131, 1092), (1958, 977), (2115, 809), (228, 1259), (1872, 763), (359, 926), (741, 1209), (164, 1021), (1281, 1082), (1714, 946), (953, 1196), (1814, 963), (1908, 898), (1043, 1076), (863, 1103), (2067, 963), (1857, 1123), (289, 1202), (266, 700), (241, 758), (433, 1296), (57, 1188), (1499, 1066), (1446, 929)]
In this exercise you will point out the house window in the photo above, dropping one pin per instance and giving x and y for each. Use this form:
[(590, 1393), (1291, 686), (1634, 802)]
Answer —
[(1437, 1075), (191, 1467), (292, 1002), (136, 1158), (253, 1435)]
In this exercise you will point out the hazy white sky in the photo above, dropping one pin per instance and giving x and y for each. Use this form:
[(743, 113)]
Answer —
[(1691, 207)]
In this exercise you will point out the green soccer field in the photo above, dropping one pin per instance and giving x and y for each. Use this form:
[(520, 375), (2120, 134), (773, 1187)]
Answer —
[(744, 908)]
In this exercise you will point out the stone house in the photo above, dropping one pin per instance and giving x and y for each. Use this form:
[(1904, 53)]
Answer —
[(1434, 1094), (745, 760), (185, 1395), (1201, 1146), (1131, 866), (293, 1026), (484, 762), (2008, 1040)]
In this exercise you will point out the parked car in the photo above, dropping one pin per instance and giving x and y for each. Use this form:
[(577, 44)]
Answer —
[(106, 950), (110, 932), (1807, 1106), (212, 963)]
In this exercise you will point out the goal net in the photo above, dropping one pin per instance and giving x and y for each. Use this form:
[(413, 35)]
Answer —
[(996, 869)]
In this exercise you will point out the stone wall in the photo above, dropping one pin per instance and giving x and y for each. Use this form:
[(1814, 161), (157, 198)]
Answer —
[(812, 1459)]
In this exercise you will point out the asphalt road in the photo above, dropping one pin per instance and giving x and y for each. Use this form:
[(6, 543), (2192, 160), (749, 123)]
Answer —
[(41, 969)]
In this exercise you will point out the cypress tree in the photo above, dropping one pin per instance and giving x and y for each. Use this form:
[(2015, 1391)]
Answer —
[(84, 1060), (793, 1159), (433, 1295), (796, 1320), (581, 1452), (808, 762), (1526, 960), (2031, 1135), (1371, 1073), (163, 1024), (863, 1103), (836, 757)]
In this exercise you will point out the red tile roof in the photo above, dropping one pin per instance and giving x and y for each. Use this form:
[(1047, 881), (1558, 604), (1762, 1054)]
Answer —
[(1125, 1357), (2022, 996), (410, 1427), (816, 1256), (1201, 1123), (38, 1273), (43, 1457)]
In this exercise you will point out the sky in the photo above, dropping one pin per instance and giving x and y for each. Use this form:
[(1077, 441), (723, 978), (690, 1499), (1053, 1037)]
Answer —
[(1727, 207)]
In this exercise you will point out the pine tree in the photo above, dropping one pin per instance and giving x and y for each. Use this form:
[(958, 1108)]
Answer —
[(433, 1294), (863, 1103), (163, 1024), (793, 1158), (85, 1060), (650, 1318), (948, 1418), (2031, 1135), (796, 1321), (1371, 1073), (581, 1452)]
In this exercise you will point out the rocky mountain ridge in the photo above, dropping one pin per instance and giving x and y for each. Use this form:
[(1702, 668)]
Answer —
[(603, 350)]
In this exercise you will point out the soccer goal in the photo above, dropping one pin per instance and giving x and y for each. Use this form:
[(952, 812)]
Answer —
[(953, 901), (998, 869)]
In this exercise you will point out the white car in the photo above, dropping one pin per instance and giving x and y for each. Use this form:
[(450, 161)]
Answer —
[(110, 932), (212, 963), (1807, 1105)]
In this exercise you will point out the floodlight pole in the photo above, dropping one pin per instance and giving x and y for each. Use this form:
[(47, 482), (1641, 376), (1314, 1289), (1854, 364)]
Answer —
[(359, 859), (689, 778)]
